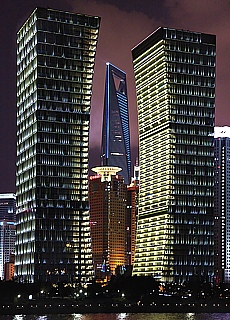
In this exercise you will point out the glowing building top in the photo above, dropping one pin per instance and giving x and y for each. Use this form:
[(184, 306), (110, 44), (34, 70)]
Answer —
[(106, 172)]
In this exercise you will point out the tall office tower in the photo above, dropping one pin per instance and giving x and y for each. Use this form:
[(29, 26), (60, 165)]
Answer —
[(175, 85), (131, 216), (115, 132), (222, 204), (107, 195), (55, 65), (7, 229)]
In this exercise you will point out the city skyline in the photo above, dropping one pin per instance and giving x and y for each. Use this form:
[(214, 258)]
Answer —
[(175, 82), (118, 21)]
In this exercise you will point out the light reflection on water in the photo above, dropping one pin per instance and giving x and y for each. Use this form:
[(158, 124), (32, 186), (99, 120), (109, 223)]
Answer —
[(124, 316)]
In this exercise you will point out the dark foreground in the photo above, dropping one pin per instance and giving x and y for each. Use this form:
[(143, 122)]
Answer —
[(62, 307)]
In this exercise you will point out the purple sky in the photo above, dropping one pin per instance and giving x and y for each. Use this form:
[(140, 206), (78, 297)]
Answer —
[(124, 24)]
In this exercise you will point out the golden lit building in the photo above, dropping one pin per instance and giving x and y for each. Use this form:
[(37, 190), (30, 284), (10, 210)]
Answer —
[(175, 85), (131, 216), (107, 198), (9, 269)]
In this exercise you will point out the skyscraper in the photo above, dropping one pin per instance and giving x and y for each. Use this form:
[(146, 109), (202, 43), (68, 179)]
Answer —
[(7, 229), (115, 132), (55, 65), (131, 215), (175, 85), (107, 194), (222, 204)]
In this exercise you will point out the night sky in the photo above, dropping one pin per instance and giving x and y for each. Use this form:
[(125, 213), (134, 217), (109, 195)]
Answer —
[(124, 23)]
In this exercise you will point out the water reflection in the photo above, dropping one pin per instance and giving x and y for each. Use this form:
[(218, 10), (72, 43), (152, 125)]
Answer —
[(77, 316), (124, 316), (190, 316), (18, 317)]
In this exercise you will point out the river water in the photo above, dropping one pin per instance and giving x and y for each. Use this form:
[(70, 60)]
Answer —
[(124, 316)]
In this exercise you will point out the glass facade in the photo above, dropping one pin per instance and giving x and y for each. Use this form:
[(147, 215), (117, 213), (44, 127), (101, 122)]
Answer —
[(55, 64), (115, 133), (175, 85)]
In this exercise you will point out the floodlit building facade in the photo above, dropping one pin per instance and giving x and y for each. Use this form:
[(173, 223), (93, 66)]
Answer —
[(175, 85), (55, 65), (222, 204), (107, 194), (7, 230), (9, 268), (115, 132)]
